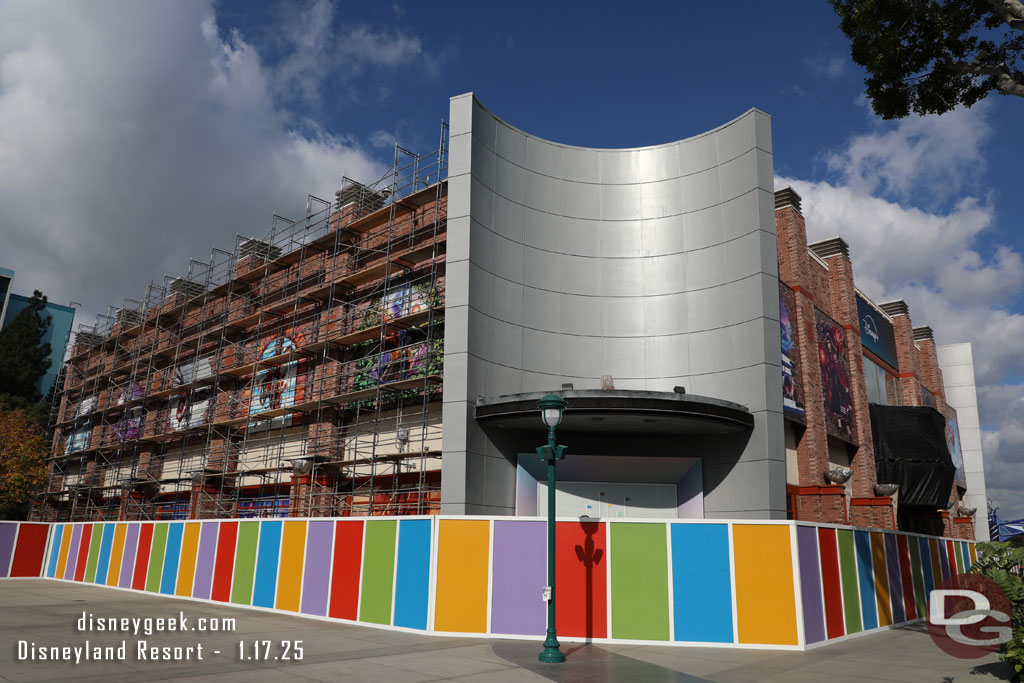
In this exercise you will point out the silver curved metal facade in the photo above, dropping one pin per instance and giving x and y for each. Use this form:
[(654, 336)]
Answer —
[(654, 265)]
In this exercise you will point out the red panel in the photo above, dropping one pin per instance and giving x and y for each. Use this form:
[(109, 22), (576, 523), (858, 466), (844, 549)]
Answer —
[(225, 561), (348, 557), (83, 552), (581, 568), (953, 571), (831, 584), (909, 603), (28, 556), (142, 557)]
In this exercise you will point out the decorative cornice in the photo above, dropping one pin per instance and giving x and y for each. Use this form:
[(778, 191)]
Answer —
[(787, 196), (923, 333), (895, 308), (834, 246)]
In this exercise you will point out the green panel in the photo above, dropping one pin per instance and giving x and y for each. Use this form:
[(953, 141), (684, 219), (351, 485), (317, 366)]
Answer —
[(848, 570), (156, 557), (245, 562), (959, 557), (378, 571), (94, 553), (639, 581), (917, 572)]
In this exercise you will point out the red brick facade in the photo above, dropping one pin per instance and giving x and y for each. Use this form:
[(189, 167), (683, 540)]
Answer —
[(821, 276)]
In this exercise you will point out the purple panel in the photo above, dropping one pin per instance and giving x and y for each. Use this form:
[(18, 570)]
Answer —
[(317, 578), (205, 557), (519, 575), (810, 584), (76, 538), (943, 557), (131, 546), (8, 531), (892, 565)]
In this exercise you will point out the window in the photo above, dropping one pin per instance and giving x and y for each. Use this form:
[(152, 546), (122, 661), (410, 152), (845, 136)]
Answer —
[(882, 387)]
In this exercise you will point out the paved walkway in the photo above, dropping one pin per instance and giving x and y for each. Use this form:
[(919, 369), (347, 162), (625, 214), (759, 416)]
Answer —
[(46, 612)]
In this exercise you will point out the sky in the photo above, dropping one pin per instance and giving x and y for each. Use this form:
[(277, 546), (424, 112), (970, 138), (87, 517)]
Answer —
[(137, 135)]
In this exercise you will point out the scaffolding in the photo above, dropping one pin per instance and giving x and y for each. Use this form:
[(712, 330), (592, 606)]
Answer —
[(297, 375)]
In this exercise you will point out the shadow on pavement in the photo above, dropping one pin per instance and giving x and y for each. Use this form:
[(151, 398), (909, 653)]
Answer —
[(590, 664)]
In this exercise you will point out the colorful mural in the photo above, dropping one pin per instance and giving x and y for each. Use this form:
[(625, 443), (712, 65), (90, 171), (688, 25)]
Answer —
[(835, 377), (130, 426), (130, 393), (953, 443), (279, 386), (189, 372), (783, 585), (189, 410), (86, 406), (77, 440), (792, 389), (406, 354)]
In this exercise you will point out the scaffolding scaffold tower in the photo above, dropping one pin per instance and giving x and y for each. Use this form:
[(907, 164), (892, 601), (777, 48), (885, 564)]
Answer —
[(297, 375)]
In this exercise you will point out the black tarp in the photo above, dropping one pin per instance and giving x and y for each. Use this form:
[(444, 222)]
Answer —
[(910, 450)]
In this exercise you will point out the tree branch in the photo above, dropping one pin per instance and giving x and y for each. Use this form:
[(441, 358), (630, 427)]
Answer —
[(1005, 81), (1010, 11)]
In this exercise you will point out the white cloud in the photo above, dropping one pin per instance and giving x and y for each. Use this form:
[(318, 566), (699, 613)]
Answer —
[(940, 154), (831, 68), (939, 260), (134, 136)]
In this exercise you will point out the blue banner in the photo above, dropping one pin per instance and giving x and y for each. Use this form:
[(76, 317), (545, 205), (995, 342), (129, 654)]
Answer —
[(876, 332)]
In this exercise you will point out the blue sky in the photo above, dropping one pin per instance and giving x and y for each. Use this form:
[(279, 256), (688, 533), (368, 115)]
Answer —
[(134, 136)]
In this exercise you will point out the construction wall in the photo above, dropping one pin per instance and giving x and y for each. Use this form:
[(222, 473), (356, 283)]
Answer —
[(781, 585)]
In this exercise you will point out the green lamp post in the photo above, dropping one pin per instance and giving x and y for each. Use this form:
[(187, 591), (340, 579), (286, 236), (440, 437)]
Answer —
[(551, 407)]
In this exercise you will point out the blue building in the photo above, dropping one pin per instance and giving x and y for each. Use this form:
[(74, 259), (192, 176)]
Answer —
[(57, 335)]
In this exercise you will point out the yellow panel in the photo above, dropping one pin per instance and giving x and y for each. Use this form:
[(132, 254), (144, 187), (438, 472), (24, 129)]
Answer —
[(462, 576), (881, 579), (974, 554), (62, 559), (765, 600), (187, 564), (289, 578), (116, 553)]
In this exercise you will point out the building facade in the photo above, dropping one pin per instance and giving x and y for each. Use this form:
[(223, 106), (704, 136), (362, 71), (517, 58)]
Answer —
[(57, 335), (360, 362)]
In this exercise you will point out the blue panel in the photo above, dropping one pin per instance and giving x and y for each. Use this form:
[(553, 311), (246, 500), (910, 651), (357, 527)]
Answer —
[(701, 583), (171, 557), (412, 582), (926, 565), (868, 606), (105, 544), (265, 583), (58, 536), (965, 548)]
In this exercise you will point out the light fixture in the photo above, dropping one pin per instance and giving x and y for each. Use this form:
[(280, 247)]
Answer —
[(551, 407), (838, 474)]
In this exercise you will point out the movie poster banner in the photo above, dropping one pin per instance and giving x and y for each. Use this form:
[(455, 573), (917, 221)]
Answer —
[(955, 449), (792, 386), (835, 377), (876, 332)]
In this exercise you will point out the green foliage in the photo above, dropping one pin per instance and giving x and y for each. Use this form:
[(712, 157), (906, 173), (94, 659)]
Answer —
[(22, 465), (24, 358), (1003, 563), (928, 56)]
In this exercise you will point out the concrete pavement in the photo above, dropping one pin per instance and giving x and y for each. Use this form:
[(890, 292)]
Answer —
[(46, 613)]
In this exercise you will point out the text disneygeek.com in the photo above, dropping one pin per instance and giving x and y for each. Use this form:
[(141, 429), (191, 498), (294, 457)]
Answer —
[(147, 650)]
